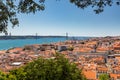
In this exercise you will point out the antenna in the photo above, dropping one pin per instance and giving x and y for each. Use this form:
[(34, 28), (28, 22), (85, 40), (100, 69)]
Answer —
[(36, 35), (10, 34), (66, 36)]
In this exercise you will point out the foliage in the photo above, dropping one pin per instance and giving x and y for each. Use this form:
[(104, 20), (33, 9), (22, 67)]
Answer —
[(10, 77), (10, 8), (98, 5), (2, 76), (104, 77), (18, 74), (49, 69)]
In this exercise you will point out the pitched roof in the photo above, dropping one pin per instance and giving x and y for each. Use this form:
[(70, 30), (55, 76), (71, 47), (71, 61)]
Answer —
[(90, 74)]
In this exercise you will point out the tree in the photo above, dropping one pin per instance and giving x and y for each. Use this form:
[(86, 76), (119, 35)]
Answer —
[(10, 8), (49, 69), (17, 74), (2, 76), (104, 77), (98, 5)]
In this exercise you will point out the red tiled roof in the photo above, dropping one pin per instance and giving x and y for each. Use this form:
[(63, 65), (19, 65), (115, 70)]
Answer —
[(90, 74)]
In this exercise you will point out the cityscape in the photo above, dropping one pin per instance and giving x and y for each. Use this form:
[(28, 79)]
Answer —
[(95, 56), (59, 39)]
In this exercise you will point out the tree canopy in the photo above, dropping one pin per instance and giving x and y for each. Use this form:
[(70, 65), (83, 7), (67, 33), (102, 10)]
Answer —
[(104, 77), (2, 76), (48, 69), (10, 8), (97, 5)]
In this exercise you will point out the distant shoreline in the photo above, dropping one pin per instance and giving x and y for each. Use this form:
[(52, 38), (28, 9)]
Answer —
[(38, 37), (19, 41), (28, 37)]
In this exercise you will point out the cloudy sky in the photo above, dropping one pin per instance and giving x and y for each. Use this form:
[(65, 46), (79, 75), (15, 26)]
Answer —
[(62, 16)]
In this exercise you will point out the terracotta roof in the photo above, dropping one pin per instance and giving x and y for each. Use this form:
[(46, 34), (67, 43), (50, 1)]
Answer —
[(117, 68), (2, 51), (102, 69), (90, 74), (115, 76), (15, 50)]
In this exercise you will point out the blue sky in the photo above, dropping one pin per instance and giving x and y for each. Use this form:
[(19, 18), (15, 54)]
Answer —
[(60, 17)]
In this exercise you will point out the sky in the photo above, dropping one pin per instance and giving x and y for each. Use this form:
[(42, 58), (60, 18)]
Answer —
[(60, 17)]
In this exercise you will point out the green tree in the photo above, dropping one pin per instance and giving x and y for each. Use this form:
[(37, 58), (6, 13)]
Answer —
[(97, 5), (10, 77), (10, 8), (17, 74), (104, 77), (49, 69), (2, 76)]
